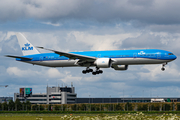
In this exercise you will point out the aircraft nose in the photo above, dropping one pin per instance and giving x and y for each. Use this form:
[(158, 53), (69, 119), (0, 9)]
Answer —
[(174, 57)]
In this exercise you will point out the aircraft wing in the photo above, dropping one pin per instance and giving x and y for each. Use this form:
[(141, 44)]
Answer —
[(25, 58), (72, 55)]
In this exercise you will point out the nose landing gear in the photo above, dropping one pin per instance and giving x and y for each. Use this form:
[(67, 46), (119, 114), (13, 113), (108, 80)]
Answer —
[(163, 66), (163, 69)]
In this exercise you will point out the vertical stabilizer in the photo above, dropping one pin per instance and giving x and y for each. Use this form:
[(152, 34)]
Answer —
[(26, 47)]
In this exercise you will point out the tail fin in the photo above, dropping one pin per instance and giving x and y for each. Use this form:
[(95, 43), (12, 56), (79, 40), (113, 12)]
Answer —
[(26, 47)]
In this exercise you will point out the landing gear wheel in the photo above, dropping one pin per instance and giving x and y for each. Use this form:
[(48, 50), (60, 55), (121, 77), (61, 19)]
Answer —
[(94, 73), (163, 69), (87, 71), (84, 71), (90, 70), (100, 71), (97, 72)]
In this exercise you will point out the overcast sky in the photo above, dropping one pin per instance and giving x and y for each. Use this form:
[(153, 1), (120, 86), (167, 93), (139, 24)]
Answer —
[(81, 25)]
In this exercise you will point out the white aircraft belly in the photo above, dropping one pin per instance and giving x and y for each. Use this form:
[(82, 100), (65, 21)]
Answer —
[(55, 63), (136, 61)]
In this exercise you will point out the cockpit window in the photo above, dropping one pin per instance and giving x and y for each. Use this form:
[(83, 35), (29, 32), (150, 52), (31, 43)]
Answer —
[(170, 54)]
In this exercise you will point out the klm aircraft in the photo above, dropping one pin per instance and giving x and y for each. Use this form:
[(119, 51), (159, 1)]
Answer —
[(116, 59)]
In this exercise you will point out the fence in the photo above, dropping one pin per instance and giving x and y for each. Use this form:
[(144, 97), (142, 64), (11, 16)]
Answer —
[(18, 106)]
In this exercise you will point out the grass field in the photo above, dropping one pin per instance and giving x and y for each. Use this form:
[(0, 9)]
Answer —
[(132, 116)]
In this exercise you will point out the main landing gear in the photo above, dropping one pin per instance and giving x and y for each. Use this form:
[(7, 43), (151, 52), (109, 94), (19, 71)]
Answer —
[(97, 71), (163, 66), (88, 70)]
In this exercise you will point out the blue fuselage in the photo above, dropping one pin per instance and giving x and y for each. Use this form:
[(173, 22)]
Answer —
[(120, 57)]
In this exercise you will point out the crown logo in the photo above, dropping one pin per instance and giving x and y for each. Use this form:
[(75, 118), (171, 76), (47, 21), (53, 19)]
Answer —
[(141, 53), (27, 44)]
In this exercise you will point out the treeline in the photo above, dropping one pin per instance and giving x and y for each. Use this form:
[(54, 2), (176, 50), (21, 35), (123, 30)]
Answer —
[(27, 106), (15, 106)]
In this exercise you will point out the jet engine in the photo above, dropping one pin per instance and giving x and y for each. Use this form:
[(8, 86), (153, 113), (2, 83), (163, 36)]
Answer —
[(120, 67), (103, 62)]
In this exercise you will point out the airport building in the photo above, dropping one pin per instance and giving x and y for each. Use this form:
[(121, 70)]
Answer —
[(5, 99), (125, 100), (67, 95), (53, 95)]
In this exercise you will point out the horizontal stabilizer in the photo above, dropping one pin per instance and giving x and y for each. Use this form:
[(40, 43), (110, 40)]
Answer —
[(25, 58), (40, 47)]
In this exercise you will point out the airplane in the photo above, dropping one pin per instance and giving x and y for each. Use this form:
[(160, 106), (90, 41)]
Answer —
[(3, 85), (116, 59)]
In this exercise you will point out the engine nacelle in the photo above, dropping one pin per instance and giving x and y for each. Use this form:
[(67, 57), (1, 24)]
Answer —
[(103, 62), (120, 67)]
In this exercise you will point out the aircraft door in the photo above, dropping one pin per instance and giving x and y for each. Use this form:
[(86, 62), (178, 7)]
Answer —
[(41, 58), (135, 55), (158, 55)]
